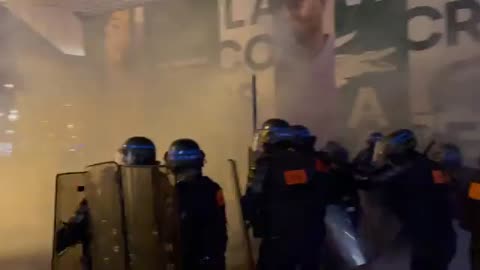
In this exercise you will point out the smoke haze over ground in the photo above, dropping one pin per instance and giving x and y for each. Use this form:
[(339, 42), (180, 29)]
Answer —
[(155, 72), (76, 111)]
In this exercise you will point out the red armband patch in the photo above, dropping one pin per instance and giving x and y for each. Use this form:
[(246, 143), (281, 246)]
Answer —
[(439, 177), (220, 199), (320, 166), (295, 177)]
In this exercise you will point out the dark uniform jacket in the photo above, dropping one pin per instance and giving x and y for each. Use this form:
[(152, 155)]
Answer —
[(203, 230), (471, 214), (420, 196), (285, 200)]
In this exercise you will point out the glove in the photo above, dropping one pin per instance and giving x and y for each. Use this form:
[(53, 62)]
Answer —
[(64, 238)]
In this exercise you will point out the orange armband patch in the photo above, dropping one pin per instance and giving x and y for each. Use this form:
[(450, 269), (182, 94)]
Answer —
[(220, 199), (474, 191), (439, 177), (295, 177)]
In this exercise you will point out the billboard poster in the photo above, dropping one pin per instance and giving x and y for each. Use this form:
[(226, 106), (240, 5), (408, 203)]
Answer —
[(371, 67), (246, 48), (444, 71), (304, 41), (182, 33)]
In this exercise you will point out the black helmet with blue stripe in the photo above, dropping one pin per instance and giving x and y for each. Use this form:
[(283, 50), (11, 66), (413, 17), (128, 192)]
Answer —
[(275, 123), (452, 157), (303, 138), (402, 141), (184, 153), (138, 151), (448, 155), (273, 132), (397, 144)]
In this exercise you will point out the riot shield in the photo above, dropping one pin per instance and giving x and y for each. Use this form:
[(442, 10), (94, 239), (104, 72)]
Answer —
[(379, 226), (249, 257), (241, 245), (149, 217), (343, 240), (68, 196), (108, 241), (132, 217)]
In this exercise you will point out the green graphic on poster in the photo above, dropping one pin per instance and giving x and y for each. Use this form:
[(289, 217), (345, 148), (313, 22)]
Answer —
[(371, 67)]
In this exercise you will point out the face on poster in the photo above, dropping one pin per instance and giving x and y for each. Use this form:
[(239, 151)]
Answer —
[(305, 80), (306, 18), (308, 21), (304, 53)]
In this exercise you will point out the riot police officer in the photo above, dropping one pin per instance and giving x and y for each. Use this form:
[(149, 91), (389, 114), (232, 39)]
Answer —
[(343, 247), (281, 203), (449, 156), (253, 215), (363, 161), (467, 200), (332, 162), (416, 189), (201, 208), (472, 218), (344, 186), (120, 223)]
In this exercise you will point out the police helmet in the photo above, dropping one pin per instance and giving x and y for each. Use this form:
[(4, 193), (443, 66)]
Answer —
[(138, 151), (447, 154), (336, 152), (273, 132), (303, 137), (401, 141), (184, 153), (275, 123)]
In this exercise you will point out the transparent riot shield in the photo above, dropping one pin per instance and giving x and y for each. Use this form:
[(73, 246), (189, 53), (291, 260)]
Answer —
[(108, 236), (132, 219), (343, 239), (379, 226), (68, 195), (149, 218)]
